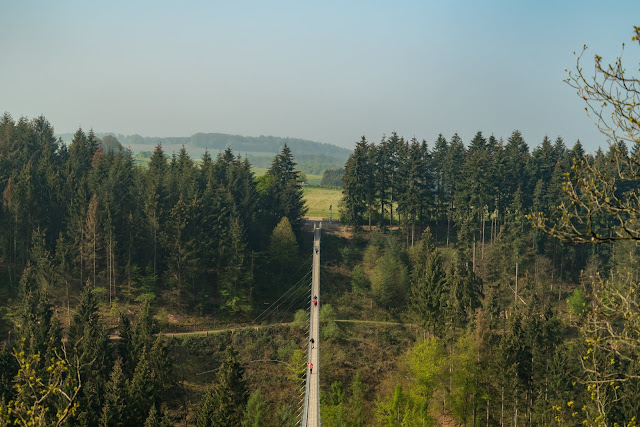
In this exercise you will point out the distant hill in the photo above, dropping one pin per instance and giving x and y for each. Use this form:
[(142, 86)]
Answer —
[(312, 157)]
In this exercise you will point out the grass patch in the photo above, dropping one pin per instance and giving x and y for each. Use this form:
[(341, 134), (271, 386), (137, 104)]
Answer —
[(258, 171), (318, 201), (314, 179)]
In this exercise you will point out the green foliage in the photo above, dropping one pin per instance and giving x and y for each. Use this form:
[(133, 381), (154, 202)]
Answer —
[(155, 420), (333, 410), (355, 406), (426, 364), (284, 196), (358, 182), (359, 281), (283, 247), (253, 414), (286, 416), (115, 411), (329, 328), (399, 410), (578, 302), (389, 280), (224, 403), (8, 368), (370, 257), (45, 391), (428, 281), (90, 344), (466, 391), (301, 318), (332, 177)]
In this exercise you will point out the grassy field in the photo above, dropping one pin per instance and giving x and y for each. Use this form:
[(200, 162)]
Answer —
[(311, 179), (314, 179), (319, 199)]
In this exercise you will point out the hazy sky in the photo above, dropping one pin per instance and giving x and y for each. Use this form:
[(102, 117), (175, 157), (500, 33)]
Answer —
[(328, 71)]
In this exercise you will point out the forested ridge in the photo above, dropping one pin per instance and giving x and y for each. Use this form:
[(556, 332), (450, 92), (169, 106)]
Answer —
[(312, 157)]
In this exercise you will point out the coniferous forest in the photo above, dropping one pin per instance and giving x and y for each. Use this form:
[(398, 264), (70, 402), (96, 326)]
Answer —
[(479, 282)]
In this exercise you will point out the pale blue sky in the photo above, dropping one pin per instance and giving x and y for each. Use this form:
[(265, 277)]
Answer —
[(328, 71)]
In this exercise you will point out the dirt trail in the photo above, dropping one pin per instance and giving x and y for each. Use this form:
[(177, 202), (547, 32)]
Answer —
[(256, 327)]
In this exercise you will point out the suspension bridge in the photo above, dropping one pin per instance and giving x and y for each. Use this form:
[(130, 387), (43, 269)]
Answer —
[(311, 408), (308, 411)]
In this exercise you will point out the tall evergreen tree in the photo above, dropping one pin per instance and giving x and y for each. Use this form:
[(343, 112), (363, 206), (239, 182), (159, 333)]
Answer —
[(427, 284), (90, 344), (224, 403), (285, 197), (358, 182)]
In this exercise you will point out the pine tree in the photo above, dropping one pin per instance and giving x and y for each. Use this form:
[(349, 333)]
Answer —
[(453, 176), (93, 241), (283, 249), (237, 278), (516, 157), (38, 325), (285, 196), (358, 182), (115, 410), (428, 282), (355, 406), (142, 336), (143, 391), (90, 346), (254, 413), (438, 167), (224, 403), (475, 192)]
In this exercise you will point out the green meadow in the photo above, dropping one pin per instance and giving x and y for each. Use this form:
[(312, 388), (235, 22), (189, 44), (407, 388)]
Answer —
[(318, 200)]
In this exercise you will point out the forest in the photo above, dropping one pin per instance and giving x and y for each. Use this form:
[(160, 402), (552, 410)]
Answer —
[(94, 247), (82, 226), (311, 157), (467, 283)]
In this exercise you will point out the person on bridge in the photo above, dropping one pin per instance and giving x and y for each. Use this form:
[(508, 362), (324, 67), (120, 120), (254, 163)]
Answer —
[(310, 365), (315, 300), (312, 341)]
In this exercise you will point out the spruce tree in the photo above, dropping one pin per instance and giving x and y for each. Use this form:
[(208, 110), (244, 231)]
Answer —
[(224, 403), (428, 281), (115, 410), (283, 250), (90, 345), (285, 196), (254, 413), (358, 182)]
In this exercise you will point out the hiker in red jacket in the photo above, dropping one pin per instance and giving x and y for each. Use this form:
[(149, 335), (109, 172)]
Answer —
[(310, 365), (315, 300)]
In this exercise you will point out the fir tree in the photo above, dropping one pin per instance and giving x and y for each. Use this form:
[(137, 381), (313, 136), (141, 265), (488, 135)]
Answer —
[(224, 403), (115, 410)]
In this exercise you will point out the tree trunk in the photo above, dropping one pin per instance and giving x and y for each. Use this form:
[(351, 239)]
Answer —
[(474, 254), (482, 251), (109, 267), (502, 408), (68, 305), (516, 297), (94, 255), (487, 412), (155, 232), (81, 257)]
